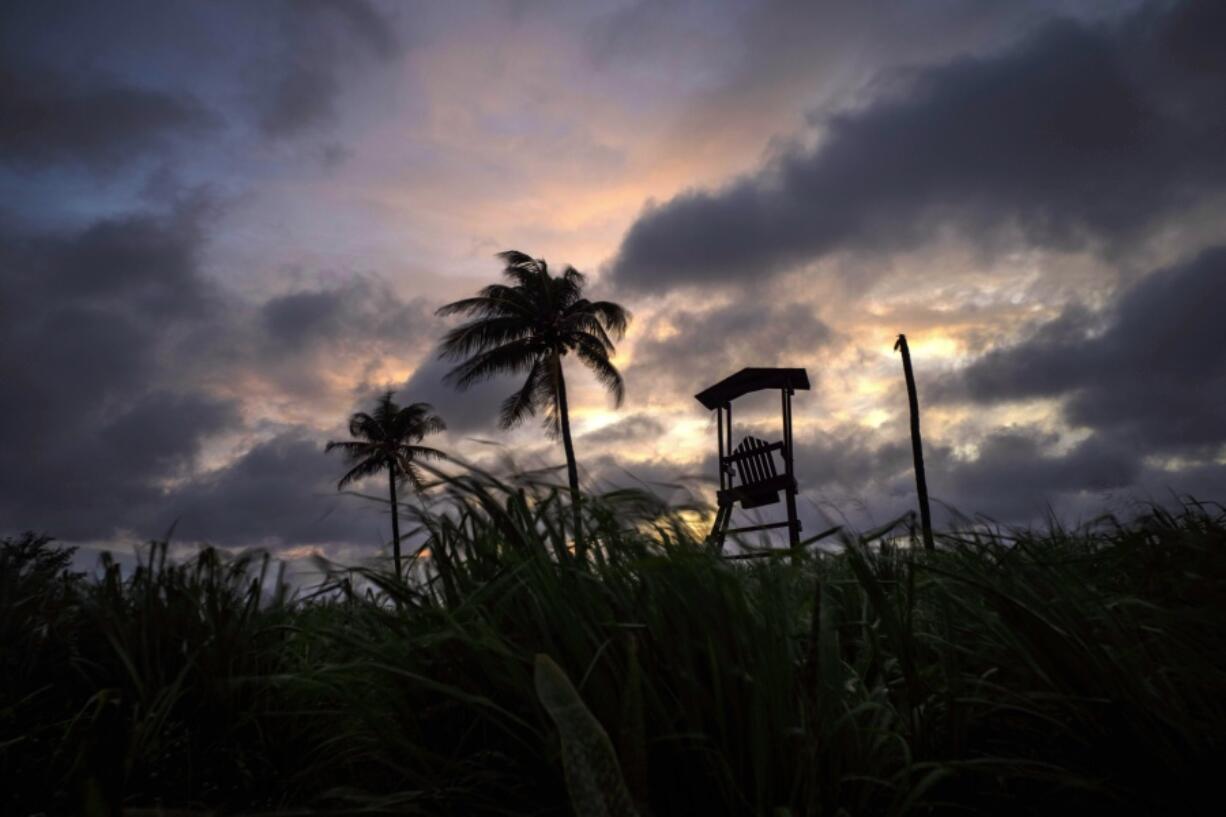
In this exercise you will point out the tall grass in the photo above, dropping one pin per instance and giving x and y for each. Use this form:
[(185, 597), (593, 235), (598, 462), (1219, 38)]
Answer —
[(1004, 673)]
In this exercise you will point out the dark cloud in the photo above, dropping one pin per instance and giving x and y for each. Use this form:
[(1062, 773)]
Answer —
[(635, 428), (124, 364), (322, 39), (1150, 370), (48, 118), (95, 472), (770, 60), (673, 481), (848, 459), (1205, 482), (108, 86), (472, 411), (279, 492), (111, 342), (296, 346), (1016, 477), (94, 423), (364, 21), (144, 264), (706, 345), (301, 97), (160, 434), (363, 309), (86, 307), (1079, 133)]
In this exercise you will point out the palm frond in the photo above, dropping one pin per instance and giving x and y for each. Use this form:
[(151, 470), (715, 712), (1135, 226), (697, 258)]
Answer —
[(367, 467), (363, 426), (352, 449), (585, 323), (412, 475), (477, 305), (515, 258), (509, 358), (562, 292), (523, 269), (546, 396), (386, 410), (507, 297), (570, 286), (413, 422), (593, 354), (425, 421), (385, 439), (483, 333), (422, 452), (615, 317), (523, 402), (492, 301)]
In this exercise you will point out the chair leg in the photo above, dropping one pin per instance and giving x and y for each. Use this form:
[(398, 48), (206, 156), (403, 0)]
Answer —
[(793, 521), (715, 539)]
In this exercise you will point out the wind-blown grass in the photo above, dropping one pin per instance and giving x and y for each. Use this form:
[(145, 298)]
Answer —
[(1005, 673)]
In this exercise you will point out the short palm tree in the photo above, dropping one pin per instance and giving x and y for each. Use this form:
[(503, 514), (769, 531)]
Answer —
[(388, 439), (526, 326)]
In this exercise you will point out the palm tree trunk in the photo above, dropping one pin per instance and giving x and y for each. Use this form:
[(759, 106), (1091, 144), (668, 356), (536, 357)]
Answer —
[(572, 468), (917, 445), (391, 487)]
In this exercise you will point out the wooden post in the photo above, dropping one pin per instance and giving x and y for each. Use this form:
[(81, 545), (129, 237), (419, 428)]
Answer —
[(728, 429), (917, 445), (789, 492)]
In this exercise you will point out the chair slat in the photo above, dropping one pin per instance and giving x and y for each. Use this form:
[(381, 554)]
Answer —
[(754, 462), (746, 467), (769, 462)]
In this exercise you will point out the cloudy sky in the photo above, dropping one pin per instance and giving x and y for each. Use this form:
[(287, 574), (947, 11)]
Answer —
[(225, 226)]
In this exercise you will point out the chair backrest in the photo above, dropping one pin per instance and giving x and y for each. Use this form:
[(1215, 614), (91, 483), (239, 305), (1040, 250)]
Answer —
[(754, 462)]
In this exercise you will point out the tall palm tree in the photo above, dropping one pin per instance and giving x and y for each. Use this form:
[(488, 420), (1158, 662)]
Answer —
[(388, 439), (526, 326)]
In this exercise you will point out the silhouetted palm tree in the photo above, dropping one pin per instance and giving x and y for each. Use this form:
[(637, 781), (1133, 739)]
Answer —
[(528, 326), (388, 440)]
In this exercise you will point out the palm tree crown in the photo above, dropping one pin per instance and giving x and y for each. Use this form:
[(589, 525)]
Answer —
[(389, 438), (527, 325)]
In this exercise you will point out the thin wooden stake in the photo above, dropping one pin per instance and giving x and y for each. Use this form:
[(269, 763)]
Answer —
[(917, 445)]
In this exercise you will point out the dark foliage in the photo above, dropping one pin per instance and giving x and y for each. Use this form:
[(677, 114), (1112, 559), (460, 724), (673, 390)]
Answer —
[(1005, 673)]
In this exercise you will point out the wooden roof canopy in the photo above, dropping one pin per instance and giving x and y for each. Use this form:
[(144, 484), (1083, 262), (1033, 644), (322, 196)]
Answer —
[(752, 379)]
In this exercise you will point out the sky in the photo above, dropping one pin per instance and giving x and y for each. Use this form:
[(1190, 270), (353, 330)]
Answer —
[(226, 226)]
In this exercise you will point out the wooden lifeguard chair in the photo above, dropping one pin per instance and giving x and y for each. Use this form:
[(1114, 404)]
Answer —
[(747, 473)]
